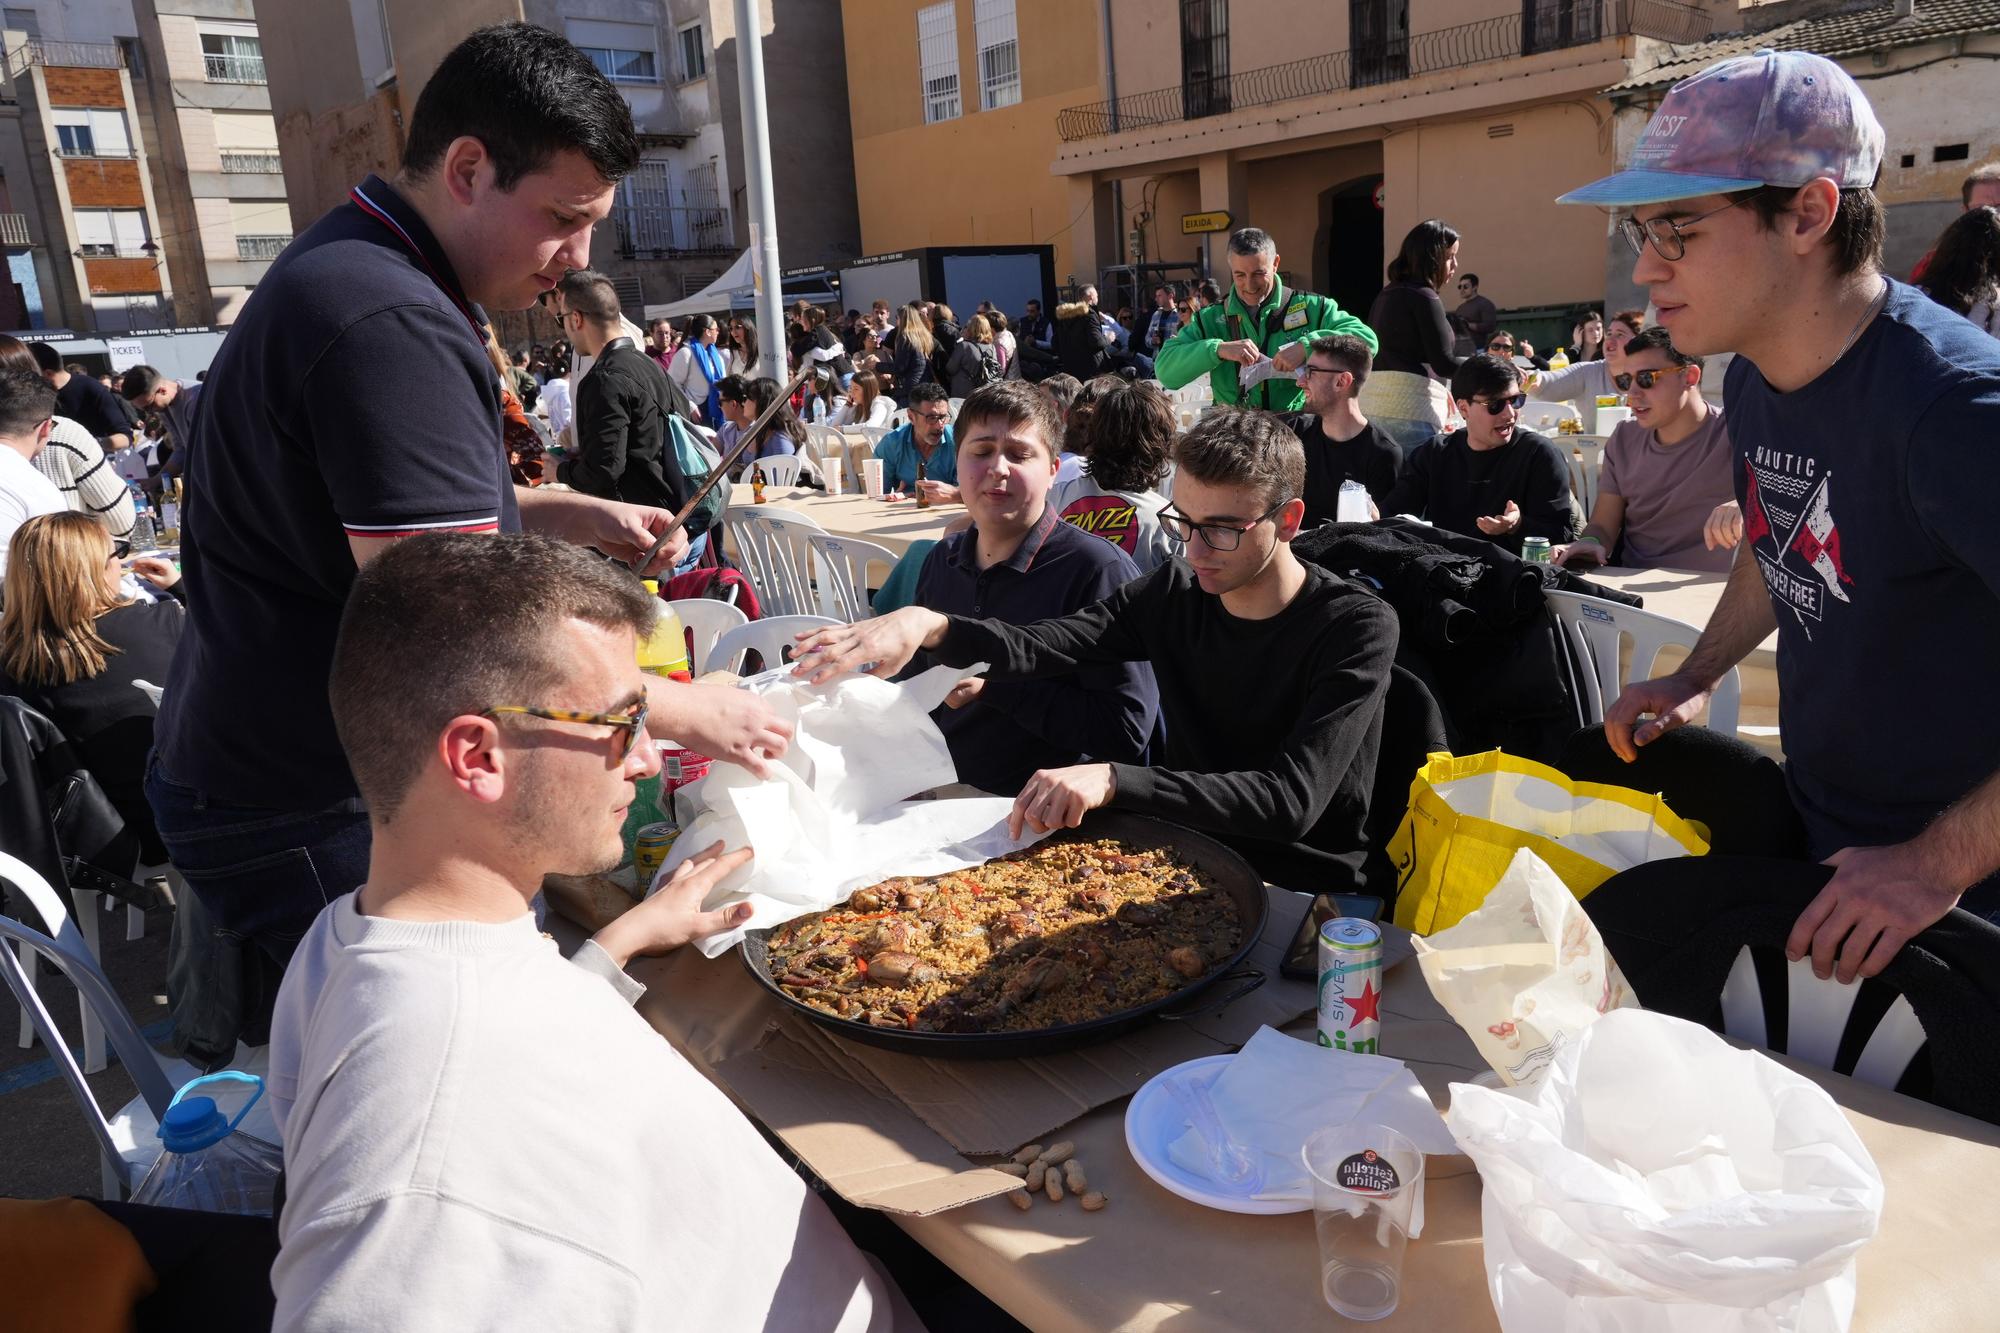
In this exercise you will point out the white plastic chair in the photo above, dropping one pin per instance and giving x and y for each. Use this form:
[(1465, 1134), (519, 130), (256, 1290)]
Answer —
[(1586, 462), (771, 638), (1541, 416), (1817, 1014), (956, 404), (1595, 630), (841, 565), (706, 621), (822, 442), (64, 946), (874, 434), (771, 543), (781, 469), (899, 417)]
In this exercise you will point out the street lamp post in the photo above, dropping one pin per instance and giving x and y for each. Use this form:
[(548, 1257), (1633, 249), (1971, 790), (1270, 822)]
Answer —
[(757, 180)]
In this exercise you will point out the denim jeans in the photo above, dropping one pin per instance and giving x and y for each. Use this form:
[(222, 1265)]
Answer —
[(263, 874)]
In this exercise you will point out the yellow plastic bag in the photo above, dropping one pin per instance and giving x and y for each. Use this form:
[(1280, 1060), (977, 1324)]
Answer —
[(1469, 815)]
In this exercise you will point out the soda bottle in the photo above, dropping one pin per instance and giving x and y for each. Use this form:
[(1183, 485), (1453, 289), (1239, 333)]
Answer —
[(1559, 360), (664, 652), (923, 499), (757, 483)]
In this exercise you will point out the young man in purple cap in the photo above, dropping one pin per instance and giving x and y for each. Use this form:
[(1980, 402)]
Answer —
[(1863, 418)]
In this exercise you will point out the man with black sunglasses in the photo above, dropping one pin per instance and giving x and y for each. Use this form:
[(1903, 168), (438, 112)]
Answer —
[(1664, 471), (1491, 478), (1278, 761)]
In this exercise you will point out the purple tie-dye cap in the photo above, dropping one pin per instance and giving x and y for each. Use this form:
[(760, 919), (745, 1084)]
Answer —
[(1768, 118)]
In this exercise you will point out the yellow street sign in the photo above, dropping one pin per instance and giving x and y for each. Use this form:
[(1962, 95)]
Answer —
[(1194, 224)]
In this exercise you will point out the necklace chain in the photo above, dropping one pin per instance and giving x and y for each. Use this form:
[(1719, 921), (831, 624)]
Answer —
[(1868, 313)]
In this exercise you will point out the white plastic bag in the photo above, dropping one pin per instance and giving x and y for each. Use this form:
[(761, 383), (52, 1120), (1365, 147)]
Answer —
[(1526, 973), (832, 816), (1660, 1180)]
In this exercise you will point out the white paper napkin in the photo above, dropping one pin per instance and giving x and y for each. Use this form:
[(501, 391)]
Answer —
[(834, 815), (1279, 1090)]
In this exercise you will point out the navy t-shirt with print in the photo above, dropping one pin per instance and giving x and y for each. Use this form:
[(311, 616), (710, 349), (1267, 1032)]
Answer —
[(353, 395), (1869, 503)]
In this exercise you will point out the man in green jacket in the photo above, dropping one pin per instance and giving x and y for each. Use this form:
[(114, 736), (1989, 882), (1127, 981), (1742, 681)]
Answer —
[(1259, 321)]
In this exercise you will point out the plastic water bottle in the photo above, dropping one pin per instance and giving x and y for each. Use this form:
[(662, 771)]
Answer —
[(144, 538), (207, 1165), (1353, 504)]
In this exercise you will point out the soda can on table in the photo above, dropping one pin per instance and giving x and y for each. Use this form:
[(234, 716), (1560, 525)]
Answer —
[(1350, 985), (649, 853), (1535, 550)]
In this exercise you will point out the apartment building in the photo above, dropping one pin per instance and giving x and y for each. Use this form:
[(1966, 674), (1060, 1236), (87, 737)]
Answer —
[(186, 164), (216, 167), (346, 78), (954, 105), (79, 220)]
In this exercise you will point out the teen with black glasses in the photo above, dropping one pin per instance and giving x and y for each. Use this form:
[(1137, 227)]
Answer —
[(1271, 672), (1491, 478)]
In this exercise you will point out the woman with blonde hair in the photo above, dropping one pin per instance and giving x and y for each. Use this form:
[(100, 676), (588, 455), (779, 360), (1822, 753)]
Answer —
[(910, 364), (72, 644)]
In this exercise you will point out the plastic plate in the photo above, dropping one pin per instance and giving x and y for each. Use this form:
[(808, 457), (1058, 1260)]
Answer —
[(1153, 1120)]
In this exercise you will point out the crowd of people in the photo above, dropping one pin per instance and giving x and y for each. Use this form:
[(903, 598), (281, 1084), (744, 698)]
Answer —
[(399, 668)]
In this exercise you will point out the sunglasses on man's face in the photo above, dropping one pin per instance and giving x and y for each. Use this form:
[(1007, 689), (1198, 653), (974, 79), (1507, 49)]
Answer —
[(1645, 379), (632, 723), (1498, 405)]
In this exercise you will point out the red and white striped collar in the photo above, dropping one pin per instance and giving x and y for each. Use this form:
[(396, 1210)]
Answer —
[(379, 200)]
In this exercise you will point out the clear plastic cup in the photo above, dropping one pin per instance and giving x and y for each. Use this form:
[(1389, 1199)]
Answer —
[(1366, 1180), (871, 477)]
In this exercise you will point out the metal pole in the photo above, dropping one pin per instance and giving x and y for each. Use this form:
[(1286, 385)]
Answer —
[(757, 179)]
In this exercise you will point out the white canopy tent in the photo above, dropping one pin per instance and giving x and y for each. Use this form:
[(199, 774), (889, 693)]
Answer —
[(736, 289)]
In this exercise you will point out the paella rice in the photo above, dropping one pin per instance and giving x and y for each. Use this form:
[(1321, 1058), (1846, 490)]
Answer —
[(1062, 933)]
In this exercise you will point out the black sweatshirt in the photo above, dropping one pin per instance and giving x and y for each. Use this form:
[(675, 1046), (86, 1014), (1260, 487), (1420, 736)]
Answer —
[(1273, 726), (1449, 484), (1409, 319)]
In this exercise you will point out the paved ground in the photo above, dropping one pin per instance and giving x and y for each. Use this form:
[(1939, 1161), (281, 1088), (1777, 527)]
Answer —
[(49, 1147)]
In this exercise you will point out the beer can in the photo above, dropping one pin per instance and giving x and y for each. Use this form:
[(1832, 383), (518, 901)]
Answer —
[(649, 852), (1535, 550), (1350, 985)]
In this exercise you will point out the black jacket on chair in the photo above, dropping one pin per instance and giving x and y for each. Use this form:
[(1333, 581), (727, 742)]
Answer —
[(50, 806), (623, 451)]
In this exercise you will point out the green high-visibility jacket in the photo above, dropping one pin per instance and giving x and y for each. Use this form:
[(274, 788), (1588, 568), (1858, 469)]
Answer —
[(1283, 319)]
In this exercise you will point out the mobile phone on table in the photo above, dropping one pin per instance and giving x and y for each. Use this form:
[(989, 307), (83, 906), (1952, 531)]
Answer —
[(1302, 958)]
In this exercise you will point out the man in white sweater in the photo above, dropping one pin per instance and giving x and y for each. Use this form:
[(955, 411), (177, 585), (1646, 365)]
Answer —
[(477, 1133)]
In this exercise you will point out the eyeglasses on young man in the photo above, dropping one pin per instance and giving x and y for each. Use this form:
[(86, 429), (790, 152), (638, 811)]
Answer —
[(1215, 536)]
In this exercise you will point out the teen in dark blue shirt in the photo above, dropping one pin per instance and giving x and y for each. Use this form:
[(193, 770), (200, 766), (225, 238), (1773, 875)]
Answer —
[(1020, 563)]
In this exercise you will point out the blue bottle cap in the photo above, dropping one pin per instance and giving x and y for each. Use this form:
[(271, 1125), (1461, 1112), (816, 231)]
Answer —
[(192, 1125)]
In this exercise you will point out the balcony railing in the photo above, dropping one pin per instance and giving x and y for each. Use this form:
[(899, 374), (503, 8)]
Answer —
[(252, 163), (260, 247), (14, 229), (64, 55), (234, 69), (1549, 26), (660, 231)]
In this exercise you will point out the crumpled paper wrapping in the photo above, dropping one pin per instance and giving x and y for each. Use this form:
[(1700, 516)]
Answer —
[(834, 816)]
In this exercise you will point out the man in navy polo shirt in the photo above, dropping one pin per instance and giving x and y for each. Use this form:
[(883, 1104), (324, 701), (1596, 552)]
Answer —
[(354, 404)]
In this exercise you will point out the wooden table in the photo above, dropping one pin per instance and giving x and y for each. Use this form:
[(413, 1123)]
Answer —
[(891, 523), (1691, 598), (1154, 1261)]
